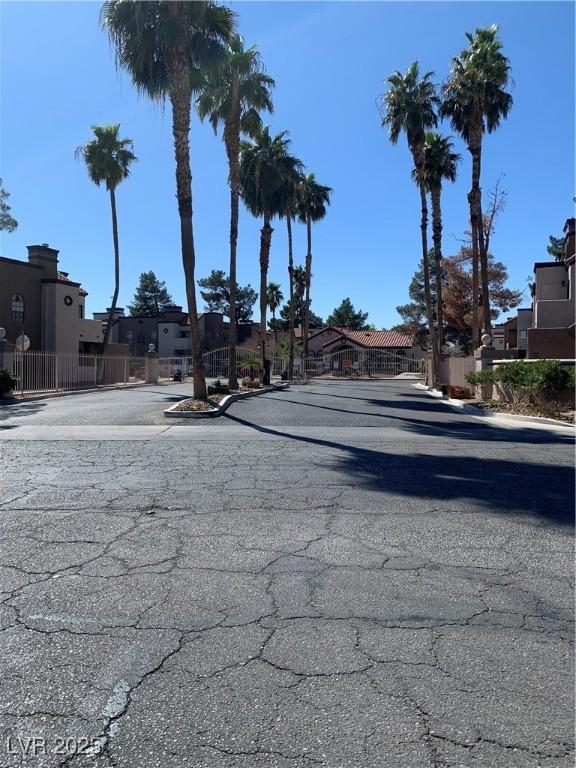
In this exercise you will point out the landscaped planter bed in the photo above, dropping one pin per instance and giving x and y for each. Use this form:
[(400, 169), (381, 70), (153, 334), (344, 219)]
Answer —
[(558, 411), (216, 404)]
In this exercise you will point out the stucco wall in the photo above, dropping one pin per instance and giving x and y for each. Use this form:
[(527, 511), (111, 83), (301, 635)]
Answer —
[(553, 343), (554, 314), (19, 277)]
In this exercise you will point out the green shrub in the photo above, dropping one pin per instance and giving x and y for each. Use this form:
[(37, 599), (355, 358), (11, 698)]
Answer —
[(7, 382), (547, 378), (485, 376), (542, 379)]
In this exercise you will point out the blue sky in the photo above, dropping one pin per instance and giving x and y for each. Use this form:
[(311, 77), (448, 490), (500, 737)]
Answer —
[(330, 61)]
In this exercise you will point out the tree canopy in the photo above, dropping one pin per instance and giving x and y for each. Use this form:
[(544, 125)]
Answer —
[(457, 298), (151, 296), (265, 164), (346, 316), (556, 247), (108, 157), (216, 295), (283, 322), (7, 222)]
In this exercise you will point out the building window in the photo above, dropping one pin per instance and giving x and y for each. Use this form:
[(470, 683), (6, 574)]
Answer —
[(18, 308), (129, 337), (81, 311), (153, 335), (523, 335)]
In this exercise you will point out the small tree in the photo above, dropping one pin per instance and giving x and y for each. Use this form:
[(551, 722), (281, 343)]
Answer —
[(151, 296), (7, 222), (346, 316)]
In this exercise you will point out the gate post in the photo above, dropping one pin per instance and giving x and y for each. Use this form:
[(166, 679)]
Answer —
[(151, 366)]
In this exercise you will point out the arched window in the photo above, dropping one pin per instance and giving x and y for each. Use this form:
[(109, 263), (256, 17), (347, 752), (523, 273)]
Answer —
[(18, 308)]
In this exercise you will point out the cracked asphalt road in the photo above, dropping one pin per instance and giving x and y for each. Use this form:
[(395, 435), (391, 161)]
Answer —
[(346, 575)]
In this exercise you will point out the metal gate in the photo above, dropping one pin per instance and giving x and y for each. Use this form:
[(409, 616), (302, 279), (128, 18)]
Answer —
[(346, 363), (365, 363)]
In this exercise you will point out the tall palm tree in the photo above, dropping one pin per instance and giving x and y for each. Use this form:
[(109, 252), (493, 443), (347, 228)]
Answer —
[(409, 107), (291, 185), (313, 198), (475, 99), (274, 297), (440, 163), (165, 47), (232, 95), (108, 159), (265, 163)]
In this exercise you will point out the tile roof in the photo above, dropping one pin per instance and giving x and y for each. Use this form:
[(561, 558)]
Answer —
[(63, 277), (374, 339)]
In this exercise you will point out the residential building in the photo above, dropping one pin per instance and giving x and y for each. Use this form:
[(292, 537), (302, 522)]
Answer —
[(552, 331), (546, 329), (45, 304), (513, 333), (323, 341), (168, 331)]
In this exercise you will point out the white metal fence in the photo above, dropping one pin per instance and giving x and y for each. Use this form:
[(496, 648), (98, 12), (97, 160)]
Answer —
[(38, 372)]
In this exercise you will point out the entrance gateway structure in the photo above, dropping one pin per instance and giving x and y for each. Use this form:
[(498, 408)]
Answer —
[(337, 352)]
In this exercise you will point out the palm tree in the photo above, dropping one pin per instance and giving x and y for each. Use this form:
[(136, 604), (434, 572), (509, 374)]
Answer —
[(299, 275), (409, 107), (274, 297), (165, 46), (475, 99), (440, 163), (232, 95), (108, 159), (291, 185), (265, 164), (312, 201)]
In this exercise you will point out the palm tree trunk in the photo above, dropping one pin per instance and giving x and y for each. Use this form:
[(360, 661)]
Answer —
[(427, 292), (265, 242), (437, 237), (232, 140), (475, 215), (483, 250), (306, 323), (116, 272), (292, 308), (180, 98)]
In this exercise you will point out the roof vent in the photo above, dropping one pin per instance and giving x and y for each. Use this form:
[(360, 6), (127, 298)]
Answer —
[(45, 245)]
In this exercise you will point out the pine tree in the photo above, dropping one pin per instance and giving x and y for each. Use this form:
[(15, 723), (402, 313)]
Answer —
[(346, 316), (151, 297), (216, 295), (7, 222), (556, 247)]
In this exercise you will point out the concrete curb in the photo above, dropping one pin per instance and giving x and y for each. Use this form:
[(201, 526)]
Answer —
[(474, 411), (222, 406)]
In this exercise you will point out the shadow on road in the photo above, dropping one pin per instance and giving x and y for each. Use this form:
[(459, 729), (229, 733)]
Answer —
[(11, 409), (545, 490), (456, 427)]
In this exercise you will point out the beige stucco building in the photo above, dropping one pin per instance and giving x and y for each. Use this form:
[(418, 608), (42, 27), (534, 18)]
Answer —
[(552, 331), (40, 301)]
